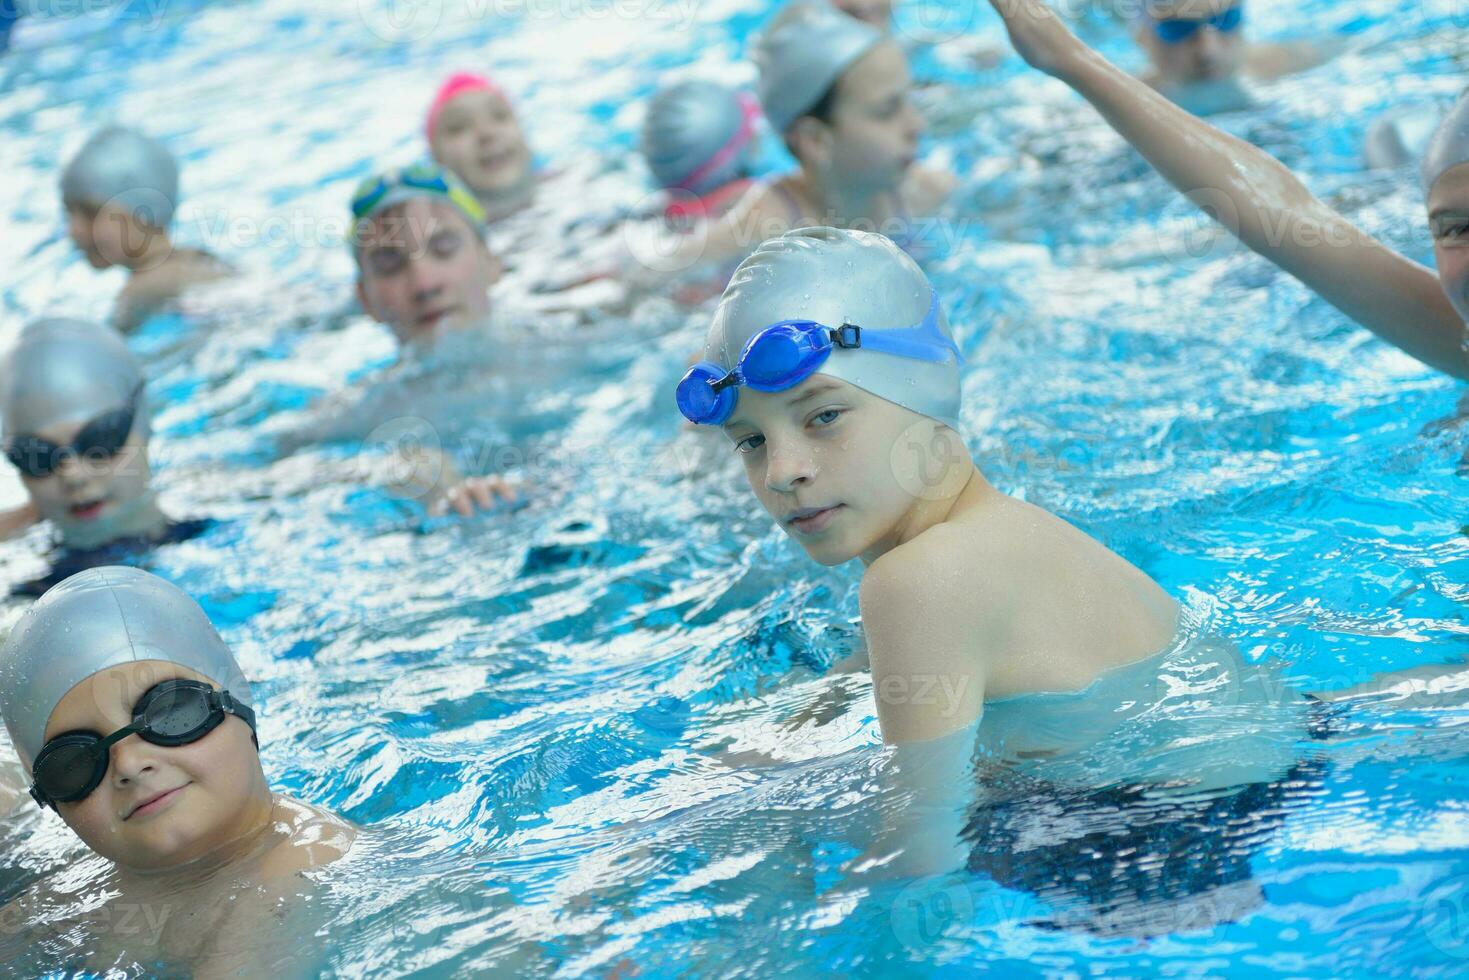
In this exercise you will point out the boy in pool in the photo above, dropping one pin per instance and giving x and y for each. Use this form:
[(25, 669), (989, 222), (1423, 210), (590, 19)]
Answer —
[(134, 723), (423, 269), (423, 264), (1272, 212), (839, 93), (120, 191), (74, 417), (1198, 43), (831, 369)]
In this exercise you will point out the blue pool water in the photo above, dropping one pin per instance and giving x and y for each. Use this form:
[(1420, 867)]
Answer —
[(547, 718)]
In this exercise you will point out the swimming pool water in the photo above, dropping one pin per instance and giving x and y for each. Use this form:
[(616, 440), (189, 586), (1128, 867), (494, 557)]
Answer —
[(546, 718)]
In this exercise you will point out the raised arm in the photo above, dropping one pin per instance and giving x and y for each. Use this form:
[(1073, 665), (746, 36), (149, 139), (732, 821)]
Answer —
[(1255, 197)]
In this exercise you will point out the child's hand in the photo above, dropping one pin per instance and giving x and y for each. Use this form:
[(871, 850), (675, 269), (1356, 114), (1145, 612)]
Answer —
[(475, 493), (1038, 34)]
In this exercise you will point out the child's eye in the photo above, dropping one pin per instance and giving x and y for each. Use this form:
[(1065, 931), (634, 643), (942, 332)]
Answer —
[(749, 444), (1453, 230), (444, 244), (827, 417)]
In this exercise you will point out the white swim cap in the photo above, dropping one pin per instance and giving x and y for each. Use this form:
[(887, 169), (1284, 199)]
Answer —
[(122, 167), (802, 54), (65, 371), (1449, 146), (98, 619), (834, 277), (697, 136)]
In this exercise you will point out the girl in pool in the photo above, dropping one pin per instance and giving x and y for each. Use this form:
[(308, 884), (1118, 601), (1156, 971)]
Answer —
[(830, 368), (120, 191), (699, 140), (838, 92), (1272, 212), (75, 424), (134, 723), (473, 131)]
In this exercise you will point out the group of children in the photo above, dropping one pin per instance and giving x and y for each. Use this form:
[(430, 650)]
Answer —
[(829, 365)]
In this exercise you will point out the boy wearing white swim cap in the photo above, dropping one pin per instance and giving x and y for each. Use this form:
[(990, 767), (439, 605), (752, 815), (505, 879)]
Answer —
[(134, 723), (831, 369), (120, 191)]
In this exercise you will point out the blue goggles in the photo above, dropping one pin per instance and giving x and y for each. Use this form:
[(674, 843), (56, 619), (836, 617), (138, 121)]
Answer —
[(786, 353), (1179, 30)]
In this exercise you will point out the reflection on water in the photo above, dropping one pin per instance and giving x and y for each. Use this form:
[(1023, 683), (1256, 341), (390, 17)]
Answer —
[(603, 732)]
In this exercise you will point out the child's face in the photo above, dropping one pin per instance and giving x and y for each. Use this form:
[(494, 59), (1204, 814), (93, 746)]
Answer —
[(878, 13), (108, 236), (1448, 218), (1209, 55), (478, 137), (423, 268), (874, 124), (85, 493), (820, 457), (159, 807)]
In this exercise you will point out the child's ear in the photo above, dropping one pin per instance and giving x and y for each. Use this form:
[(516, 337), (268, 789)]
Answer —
[(809, 140), (495, 265)]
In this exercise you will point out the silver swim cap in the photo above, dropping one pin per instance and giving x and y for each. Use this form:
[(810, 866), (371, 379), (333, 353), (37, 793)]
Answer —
[(98, 619), (65, 371), (124, 168), (1400, 136), (835, 276), (1449, 146), (802, 54), (697, 136)]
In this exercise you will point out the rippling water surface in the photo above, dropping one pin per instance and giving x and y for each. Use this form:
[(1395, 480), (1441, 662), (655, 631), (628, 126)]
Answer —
[(547, 718)]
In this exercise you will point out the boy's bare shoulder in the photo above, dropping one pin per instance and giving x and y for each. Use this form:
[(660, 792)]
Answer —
[(309, 838)]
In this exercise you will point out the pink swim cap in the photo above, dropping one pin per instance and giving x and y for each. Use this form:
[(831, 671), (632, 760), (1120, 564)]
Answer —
[(456, 85)]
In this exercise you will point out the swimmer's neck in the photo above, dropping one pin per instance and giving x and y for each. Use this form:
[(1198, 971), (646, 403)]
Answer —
[(157, 250), (500, 205), (844, 207), (925, 514)]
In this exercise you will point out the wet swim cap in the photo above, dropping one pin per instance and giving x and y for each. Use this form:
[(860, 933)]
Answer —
[(65, 371), (696, 136), (97, 619), (122, 167), (1449, 146), (456, 85), (835, 276), (802, 54), (376, 194)]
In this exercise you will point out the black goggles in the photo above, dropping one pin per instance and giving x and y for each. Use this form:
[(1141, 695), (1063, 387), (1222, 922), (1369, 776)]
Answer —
[(175, 712), (101, 438)]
